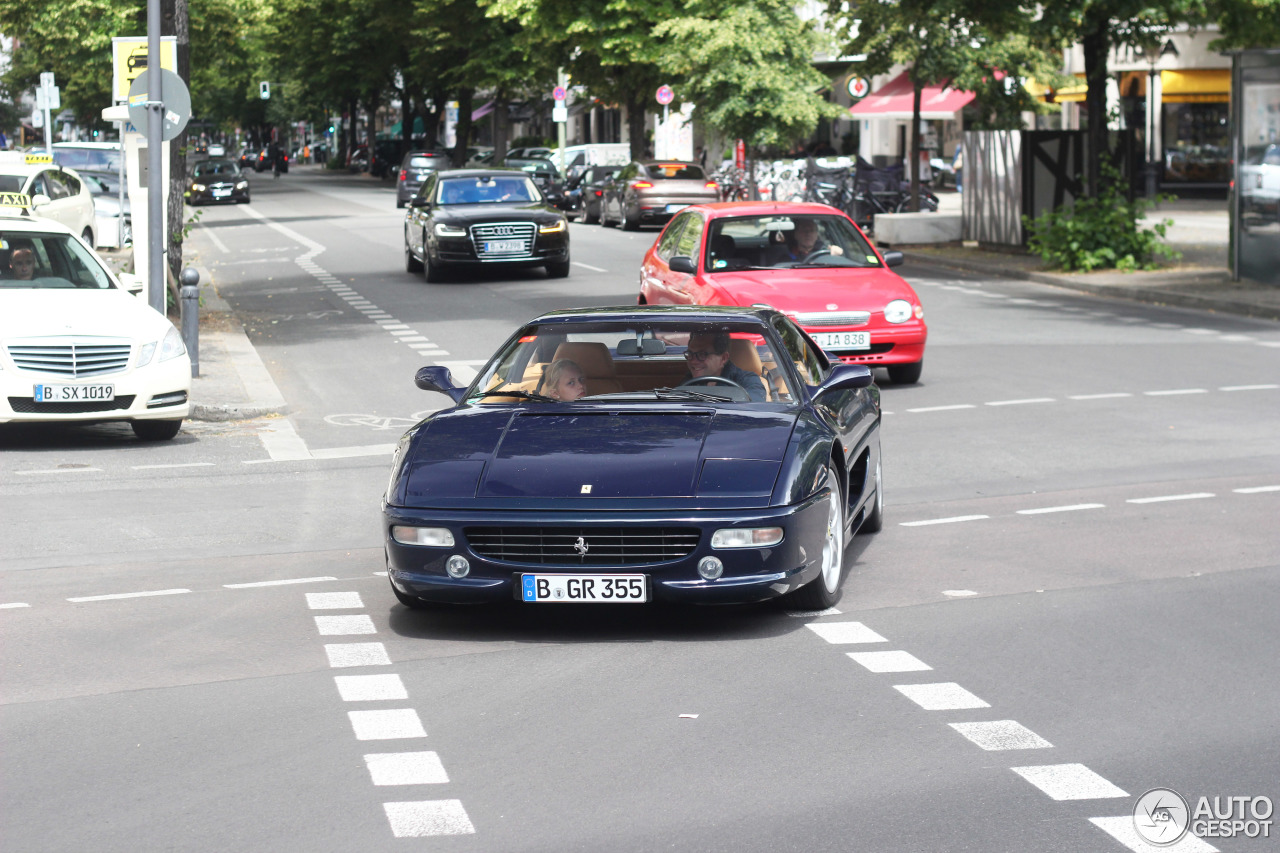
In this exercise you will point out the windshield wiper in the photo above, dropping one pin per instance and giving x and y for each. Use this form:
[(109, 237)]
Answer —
[(688, 394), (523, 395)]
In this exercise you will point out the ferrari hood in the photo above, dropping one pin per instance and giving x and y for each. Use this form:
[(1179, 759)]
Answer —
[(513, 457)]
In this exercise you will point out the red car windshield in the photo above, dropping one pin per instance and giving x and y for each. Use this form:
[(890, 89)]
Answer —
[(786, 242)]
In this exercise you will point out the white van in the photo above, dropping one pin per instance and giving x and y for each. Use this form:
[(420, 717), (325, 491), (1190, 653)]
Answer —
[(595, 154)]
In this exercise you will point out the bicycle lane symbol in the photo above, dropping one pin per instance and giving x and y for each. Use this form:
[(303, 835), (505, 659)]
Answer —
[(376, 422)]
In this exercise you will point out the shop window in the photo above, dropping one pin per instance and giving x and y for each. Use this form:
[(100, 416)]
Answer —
[(1197, 144)]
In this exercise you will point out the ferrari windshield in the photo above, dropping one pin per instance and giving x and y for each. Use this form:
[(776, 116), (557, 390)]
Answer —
[(600, 362), (33, 259), (786, 242), (488, 190)]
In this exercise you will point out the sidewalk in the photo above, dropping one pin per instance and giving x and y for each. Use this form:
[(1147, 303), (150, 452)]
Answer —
[(1200, 280)]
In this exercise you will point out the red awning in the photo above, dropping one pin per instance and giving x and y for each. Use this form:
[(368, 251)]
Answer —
[(480, 113), (893, 100)]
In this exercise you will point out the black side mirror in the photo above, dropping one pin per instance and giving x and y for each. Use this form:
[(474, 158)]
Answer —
[(437, 378), (419, 201), (681, 263), (893, 259), (845, 377)]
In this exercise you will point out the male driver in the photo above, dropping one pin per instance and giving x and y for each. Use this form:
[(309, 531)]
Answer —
[(23, 264), (708, 355), (802, 242)]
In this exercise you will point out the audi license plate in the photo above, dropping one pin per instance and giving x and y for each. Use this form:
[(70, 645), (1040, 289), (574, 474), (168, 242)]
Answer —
[(580, 589), (221, 193), (842, 340), (504, 246), (73, 393)]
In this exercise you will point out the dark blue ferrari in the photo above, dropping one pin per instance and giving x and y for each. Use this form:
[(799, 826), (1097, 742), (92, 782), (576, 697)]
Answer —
[(641, 454)]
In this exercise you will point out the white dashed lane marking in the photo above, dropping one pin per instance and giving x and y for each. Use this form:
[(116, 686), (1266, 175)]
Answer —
[(895, 661), (1122, 830), (13, 604), (333, 600), (370, 688), (333, 626), (943, 408), (1256, 490), (952, 520), (356, 654), (288, 582), (61, 471), (119, 595), (845, 632), (1020, 402), (1108, 396), (947, 696), (433, 817), (1176, 392), (1069, 782), (1195, 496), (389, 724), (406, 768), (999, 735), (1069, 508)]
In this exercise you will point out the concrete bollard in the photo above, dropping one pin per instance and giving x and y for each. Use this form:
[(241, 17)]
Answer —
[(191, 317)]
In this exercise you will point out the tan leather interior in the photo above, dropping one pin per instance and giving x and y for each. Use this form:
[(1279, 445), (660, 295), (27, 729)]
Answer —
[(746, 357), (596, 363)]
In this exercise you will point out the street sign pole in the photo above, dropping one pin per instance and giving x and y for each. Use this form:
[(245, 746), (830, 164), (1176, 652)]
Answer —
[(155, 164), (561, 134), (45, 96)]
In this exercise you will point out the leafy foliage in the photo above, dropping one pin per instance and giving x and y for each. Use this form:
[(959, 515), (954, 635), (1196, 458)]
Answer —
[(1101, 232), (749, 70)]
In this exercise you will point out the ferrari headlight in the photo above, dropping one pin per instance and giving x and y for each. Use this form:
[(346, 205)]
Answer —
[(898, 311), (444, 230), (553, 228), (746, 537), (432, 537), (197, 188)]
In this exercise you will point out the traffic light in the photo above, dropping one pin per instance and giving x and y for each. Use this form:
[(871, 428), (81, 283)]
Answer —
[(264, 90)]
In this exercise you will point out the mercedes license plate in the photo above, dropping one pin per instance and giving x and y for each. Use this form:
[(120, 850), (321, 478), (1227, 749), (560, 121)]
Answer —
[(581, 589), (842, 340), (504, 246), (74, 393)]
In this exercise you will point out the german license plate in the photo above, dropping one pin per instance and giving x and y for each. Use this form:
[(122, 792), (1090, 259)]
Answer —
[(672, 208), (504, 246), (582, 589), (73, 393), (221, 193), (842, 340)]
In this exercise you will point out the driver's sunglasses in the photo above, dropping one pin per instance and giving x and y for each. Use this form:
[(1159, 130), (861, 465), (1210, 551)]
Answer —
[(700, 355)]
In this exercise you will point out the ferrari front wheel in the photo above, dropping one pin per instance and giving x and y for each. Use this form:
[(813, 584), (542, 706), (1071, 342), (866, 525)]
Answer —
[(824, 590)]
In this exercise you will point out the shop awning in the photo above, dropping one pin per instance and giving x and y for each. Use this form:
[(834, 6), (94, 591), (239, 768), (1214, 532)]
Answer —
[(419, 127), (893, 100), (1196, 85), (482, 111), (1065, 94)]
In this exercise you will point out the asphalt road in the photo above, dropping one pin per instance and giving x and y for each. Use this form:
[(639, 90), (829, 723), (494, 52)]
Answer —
[(1073, 600)]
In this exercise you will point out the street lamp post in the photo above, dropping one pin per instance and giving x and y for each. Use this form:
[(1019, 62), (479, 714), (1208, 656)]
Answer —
[(1153, 158)]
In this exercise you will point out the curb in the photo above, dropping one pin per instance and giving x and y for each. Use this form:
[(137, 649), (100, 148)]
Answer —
[(1136, 293)]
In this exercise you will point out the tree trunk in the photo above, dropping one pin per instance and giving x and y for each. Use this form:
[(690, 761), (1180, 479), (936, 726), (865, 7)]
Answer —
[(353, 108), (913, 201), (406, 122), (1096, 45), (462, 130), (635, 124), (174, 21), (501, 128)]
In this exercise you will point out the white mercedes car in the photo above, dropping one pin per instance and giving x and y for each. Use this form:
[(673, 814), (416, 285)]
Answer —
[(75, 343), (55, 192)]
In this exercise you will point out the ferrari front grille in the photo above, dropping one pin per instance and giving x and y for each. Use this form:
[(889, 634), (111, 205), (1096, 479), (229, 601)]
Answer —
[(583, 546)]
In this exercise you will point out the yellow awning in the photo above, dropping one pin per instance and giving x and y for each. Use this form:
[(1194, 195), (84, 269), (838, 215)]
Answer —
[(1196, 85), (1061, 95)]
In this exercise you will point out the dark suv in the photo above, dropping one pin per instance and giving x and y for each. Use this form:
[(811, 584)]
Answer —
[(414, 169)]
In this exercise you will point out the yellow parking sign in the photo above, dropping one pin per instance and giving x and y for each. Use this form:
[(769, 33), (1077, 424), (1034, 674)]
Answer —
[(129, 59)]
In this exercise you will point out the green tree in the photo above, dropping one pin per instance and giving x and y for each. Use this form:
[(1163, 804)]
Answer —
[(608, 47), (748, 69), (1245, 23)]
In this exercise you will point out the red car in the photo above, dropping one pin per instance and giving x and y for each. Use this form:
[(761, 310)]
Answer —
[(809, 261)]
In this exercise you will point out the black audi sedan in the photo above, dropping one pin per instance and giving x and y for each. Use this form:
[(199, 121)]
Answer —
[(217, 181), (475, 218)]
